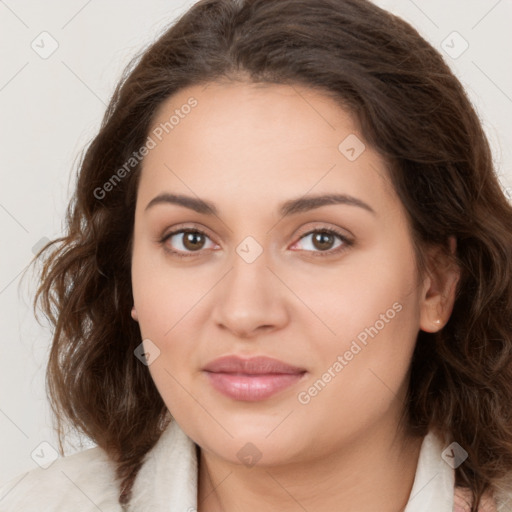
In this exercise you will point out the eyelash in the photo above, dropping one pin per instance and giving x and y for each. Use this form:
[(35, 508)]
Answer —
[(347, 243)]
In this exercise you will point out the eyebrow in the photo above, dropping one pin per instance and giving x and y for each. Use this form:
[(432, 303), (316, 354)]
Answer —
[(290, 207)]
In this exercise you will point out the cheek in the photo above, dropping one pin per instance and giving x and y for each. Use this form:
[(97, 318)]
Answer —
[(164, 293), (373, 309), (371, 293), (362, 376), (167, 299)]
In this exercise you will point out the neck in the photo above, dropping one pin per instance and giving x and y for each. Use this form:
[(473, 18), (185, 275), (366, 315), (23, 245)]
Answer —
[(374, 471)]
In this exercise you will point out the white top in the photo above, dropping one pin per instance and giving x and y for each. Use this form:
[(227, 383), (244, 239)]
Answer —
[(167, 481)]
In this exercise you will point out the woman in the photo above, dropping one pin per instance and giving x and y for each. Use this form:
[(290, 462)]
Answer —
[(286, 281)]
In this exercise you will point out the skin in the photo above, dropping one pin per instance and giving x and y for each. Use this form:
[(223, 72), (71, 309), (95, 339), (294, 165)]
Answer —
[(247, 148)]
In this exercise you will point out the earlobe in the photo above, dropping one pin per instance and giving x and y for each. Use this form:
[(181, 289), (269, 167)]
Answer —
[(134, 314), (429, 319)]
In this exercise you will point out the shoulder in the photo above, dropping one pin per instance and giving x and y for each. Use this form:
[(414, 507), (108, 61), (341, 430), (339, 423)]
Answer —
[(83, 481)]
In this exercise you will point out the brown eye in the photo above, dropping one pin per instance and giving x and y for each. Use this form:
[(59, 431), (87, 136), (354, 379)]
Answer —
[(186, 242), (193, 240), (323, 240)]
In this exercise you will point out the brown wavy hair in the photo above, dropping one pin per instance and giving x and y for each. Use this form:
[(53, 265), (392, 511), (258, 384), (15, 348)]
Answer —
[(411, 109)]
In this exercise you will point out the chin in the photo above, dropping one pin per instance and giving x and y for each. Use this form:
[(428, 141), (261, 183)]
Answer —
[(261, 440)]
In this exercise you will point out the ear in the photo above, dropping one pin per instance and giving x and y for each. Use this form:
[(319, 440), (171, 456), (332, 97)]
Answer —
[(439, 288), (134, 314)]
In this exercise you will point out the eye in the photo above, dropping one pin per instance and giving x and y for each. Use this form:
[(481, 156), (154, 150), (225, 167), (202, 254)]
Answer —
[(322, 241), (188, 241)]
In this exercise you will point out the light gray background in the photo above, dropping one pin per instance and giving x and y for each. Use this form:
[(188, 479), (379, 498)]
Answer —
[(51, 107)]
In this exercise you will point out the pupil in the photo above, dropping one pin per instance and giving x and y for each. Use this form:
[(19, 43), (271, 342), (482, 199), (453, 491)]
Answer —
[(323, 240), (192, 239)]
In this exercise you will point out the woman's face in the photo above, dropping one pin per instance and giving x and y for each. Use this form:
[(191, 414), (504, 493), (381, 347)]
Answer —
[(328, 288)]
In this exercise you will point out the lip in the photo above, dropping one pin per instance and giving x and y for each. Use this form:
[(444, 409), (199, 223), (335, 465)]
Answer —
[(251, 379)]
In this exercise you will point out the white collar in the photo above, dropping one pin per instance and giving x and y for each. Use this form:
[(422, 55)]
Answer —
[(434, 482), (167, 481)]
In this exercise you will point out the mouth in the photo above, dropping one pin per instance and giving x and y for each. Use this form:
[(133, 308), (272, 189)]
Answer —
[(253, 379)]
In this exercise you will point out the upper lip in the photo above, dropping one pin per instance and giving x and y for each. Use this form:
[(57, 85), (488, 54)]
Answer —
[(258, 365)]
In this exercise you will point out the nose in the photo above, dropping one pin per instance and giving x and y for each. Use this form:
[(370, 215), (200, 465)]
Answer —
[(251, 299)]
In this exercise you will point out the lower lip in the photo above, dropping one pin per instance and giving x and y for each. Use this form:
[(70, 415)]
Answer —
[(252, 388)]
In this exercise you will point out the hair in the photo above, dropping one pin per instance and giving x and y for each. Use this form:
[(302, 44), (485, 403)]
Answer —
[(411, 109)]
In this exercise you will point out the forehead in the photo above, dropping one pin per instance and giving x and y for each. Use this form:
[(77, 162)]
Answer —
[(259, 142)]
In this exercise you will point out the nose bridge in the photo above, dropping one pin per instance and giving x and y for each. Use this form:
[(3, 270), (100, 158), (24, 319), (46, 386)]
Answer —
[(250, 294), (249, 280)]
